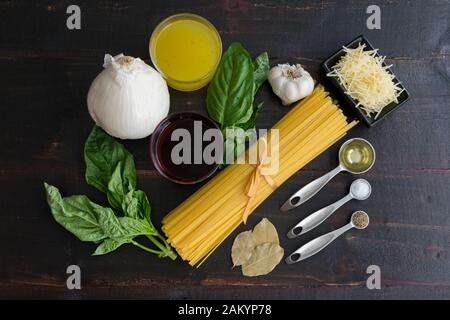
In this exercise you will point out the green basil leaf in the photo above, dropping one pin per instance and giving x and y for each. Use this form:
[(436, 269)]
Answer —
[(251, 122), (136, 205), (230, 150), (102, 153), (234, 143), (114, 200), (136, 227), (110, 245), (230, 93), (85, 219), (261, 66), (77, 214), (233, 146), (116, 192), (111, 225)]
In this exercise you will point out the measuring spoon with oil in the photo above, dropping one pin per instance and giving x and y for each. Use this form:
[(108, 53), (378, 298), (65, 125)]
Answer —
[(356, 156), (360, 189), (359, 220)]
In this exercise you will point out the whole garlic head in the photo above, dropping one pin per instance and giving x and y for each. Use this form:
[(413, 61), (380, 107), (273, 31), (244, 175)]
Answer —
[(290, 82), (128, 98)]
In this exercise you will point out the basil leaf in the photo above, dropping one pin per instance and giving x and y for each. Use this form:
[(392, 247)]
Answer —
[(251, 122), (230, 93), (85, 219), (136, 205), (230, 153), (261, 66), (77, 214), (235, 145), (137, 227), (137, 214), (110, 245), (102, 153), (116, 192), (229, 100), (111, 225)]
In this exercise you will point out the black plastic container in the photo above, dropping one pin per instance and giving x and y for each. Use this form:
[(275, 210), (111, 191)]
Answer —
[(369, 120)]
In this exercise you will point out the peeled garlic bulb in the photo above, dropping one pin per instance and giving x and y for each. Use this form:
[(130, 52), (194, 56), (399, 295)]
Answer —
[(128, 98), (290, 82)]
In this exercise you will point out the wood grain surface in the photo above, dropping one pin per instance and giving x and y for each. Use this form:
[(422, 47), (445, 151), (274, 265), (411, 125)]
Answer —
[(46, 71)]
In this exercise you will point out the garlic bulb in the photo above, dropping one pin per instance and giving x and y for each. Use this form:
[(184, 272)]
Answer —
[(290, 82), (128, 98)]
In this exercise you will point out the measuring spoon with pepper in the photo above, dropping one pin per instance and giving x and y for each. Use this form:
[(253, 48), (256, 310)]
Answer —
[(359, 220)]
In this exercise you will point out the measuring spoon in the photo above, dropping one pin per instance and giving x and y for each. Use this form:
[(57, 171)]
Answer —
[(360, 189), (360, 163), (359, 220)]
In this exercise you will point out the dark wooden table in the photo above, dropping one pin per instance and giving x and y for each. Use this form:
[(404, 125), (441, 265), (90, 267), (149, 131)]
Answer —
[(45, 73)]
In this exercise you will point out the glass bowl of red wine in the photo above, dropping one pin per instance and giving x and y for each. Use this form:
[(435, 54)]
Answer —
[(186, 147)]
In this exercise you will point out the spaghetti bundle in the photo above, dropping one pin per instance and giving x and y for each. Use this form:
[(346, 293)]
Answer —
[(203, 221)]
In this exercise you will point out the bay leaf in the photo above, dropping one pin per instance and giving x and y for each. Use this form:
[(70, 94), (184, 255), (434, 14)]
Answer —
[(265, 232), (242, 248), (264, 259)]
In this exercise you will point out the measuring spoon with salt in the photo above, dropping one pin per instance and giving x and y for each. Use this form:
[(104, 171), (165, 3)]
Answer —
[(356, 156), (359, 220), (360, 189)]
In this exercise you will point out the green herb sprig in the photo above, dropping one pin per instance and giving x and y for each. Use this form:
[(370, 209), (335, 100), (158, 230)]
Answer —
[(230, 96), (110, 168)]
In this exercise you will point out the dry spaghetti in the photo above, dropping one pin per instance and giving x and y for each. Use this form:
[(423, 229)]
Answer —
[(203, 221)]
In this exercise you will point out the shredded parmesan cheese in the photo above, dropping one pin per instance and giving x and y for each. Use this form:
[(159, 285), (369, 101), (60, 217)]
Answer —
[(365, 79)]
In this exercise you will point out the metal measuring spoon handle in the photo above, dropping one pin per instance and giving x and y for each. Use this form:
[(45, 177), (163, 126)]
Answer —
[(316, 218), (314, 246), (308, 191)]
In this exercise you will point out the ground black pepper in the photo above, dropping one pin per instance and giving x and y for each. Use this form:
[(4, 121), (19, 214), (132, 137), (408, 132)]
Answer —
[(360, 219)]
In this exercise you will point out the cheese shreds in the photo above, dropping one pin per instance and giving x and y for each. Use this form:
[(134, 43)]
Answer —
[(365, 79)]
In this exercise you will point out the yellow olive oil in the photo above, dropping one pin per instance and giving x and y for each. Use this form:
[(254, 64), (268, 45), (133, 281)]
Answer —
[(357, 156)]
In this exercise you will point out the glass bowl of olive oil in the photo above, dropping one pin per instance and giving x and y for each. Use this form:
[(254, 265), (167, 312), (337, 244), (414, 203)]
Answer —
[(357, 155)]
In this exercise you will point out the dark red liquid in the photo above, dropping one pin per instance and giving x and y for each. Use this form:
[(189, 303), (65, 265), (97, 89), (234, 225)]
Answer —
[(184, 173)]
